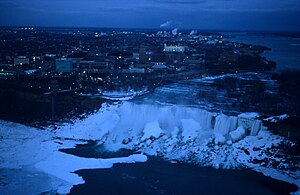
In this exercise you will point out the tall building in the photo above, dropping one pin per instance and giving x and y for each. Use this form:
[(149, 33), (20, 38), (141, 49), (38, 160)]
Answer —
[(142, 56)]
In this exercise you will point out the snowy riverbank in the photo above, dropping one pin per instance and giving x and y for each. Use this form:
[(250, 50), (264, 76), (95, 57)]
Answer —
[(29, 150)]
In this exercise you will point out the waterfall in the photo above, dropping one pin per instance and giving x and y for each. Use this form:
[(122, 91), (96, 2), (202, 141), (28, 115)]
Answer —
[(129, 120), (225, 124)]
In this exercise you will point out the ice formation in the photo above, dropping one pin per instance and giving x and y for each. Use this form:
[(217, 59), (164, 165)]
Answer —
[(140, 122), (176, 133), (188, 134), (151, 130)]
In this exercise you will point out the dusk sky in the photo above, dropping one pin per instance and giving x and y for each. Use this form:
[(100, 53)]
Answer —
[(279, 15)]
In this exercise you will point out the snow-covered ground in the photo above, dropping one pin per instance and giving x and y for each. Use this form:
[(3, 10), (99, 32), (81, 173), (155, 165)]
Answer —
[(34, 154), (176, 133), (275, 119)]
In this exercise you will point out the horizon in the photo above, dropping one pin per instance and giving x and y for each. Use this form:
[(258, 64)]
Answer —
[(22, 27), (229, 15)]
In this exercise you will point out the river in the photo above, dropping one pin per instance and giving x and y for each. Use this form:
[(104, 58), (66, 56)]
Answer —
[(285, 50)]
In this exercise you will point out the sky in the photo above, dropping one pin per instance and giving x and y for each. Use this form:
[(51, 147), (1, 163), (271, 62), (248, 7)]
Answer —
[(270, 15)]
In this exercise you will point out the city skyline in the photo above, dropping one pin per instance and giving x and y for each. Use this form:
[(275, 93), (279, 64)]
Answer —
[(191, 14)]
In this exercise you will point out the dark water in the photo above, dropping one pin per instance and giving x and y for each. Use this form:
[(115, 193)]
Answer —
[(93, 150), (160, 177), (157, 176), (285, 50)]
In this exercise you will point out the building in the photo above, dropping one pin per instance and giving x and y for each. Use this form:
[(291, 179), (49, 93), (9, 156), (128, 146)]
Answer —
[(142, 55), (159, 66), (7, 73), (21, 60), (120, 58), (137, 70), (195, 60), (174, 49), (94, 66), (174, 54), (66, 65)]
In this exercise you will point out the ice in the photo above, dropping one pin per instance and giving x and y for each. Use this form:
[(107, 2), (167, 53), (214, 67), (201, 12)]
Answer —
[(94, 127), (224, 124), (219, 138), (177, 133), (33, 150), (63, 165), (238, 134), (249, 122), (190, 129), (131, 123), (275, 119), (256, 126), (250, 115), (152, 130)]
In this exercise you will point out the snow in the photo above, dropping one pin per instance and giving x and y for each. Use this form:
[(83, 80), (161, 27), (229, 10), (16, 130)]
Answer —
[(96, 126), (37, 151), (190, 129), (152, 130), (250, 115), (176, 133), (275, 119), (132, 123), (63, 166), (259, 150), (238, 134), (219, 138)]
